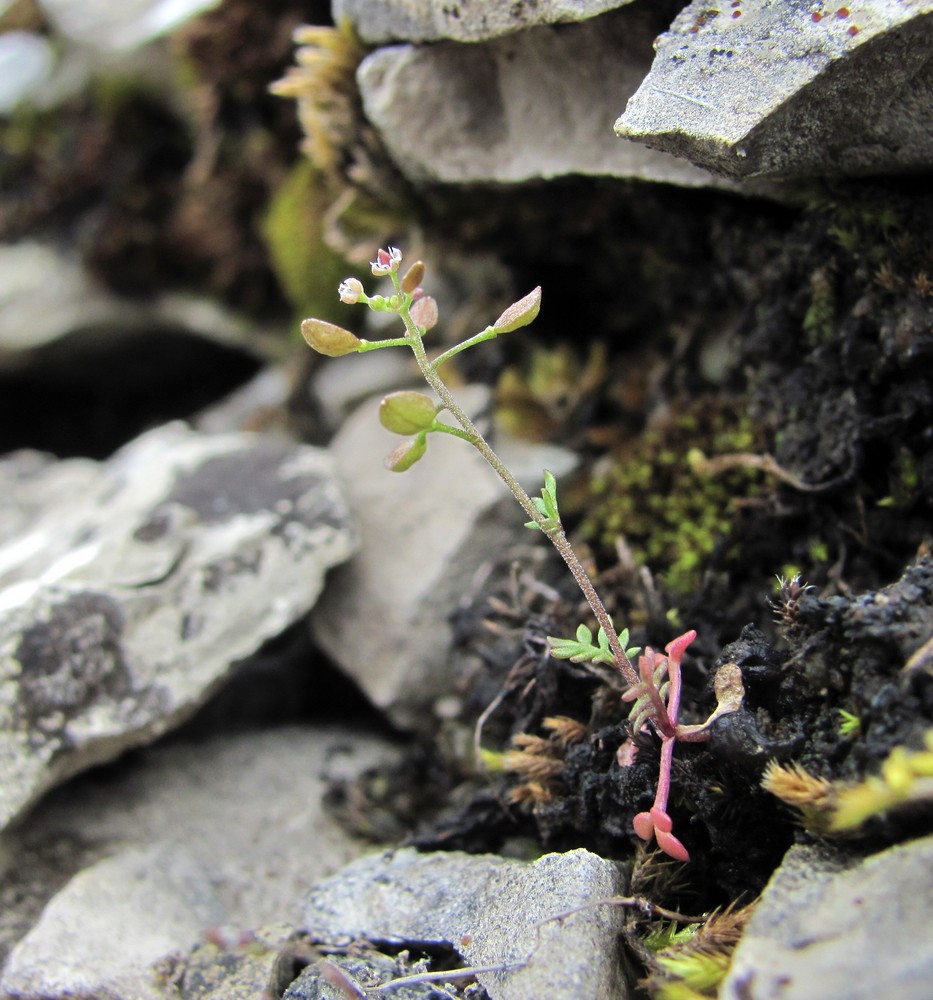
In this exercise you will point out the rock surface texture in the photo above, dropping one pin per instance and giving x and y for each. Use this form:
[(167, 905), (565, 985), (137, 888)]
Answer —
[(492, 911), (385, 616), (179, 861), (536, 104), (465, 21), (784, 89), (825, 927), (131, 589)]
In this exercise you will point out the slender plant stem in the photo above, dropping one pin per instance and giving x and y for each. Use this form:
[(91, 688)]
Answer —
[(488, 334), (664, 773), (556, 535), (455, 431)]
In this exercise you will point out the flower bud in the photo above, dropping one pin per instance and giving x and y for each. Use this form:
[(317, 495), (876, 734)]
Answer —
[(424, 312), (407, 453), (407, 412), (413, 277), (350, 291), (328, 338), (519, 313)]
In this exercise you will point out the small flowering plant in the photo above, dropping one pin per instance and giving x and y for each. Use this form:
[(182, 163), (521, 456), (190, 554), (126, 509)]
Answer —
[(654, 688)]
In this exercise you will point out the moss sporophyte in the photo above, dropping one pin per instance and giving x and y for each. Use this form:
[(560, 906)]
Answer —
[(653, 687)]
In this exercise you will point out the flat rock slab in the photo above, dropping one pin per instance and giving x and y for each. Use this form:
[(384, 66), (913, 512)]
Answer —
[(385, 617), (782, 89), (491, 911), (188, 843), (826, 927), (101, 934), (130, 589), (379, 21), (536, 104)]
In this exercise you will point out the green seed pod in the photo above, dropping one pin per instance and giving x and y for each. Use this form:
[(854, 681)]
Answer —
[(407, 453), (328, 338), (407, 412), (519, 313)]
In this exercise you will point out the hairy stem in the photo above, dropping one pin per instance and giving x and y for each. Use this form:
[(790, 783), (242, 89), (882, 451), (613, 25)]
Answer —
[(556, 535)]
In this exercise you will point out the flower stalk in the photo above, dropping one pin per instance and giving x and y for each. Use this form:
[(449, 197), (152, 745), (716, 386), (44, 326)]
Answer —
[(656, 686)]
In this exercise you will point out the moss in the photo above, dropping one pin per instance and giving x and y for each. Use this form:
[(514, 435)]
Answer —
[(294, 230), (672, 517)]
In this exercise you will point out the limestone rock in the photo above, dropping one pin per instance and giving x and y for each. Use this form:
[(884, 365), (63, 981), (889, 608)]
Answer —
[(130, 589), (776, 90), (425, 532), (198, 842), (379, 21), (537, 104), (828, 927), (103, 26), (491, 910), (46, 293), (26, 58), (100, 935)]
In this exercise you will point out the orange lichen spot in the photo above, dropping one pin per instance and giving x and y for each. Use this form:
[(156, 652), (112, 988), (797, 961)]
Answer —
[(736, 13), (853, 30), (816, 16), (842, 12)]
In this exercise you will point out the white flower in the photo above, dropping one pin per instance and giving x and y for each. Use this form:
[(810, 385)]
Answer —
[(350, 291), (387, 261)]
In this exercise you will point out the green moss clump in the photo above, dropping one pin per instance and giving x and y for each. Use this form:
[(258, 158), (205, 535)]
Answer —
[(672, 517), (294, 230)]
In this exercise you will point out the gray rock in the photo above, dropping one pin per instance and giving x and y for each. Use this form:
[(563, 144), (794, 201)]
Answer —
[(131, 589), (378, 21), (26, 61), (238, 820), (364, 969), (425, 532), (101, 934), (537, 104), (339, 388), (105, 27), (774, 93), (259, 403), (831, 927), (491, 911), (46, 293)]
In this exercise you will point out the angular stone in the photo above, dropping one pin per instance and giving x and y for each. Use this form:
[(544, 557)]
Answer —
[(492, 911), (537, 104), (769, 91), (385, 615), (830, 927), (379, 21), (100, 936), (243, 815), (46, 293), (130, 589), (106, 27)]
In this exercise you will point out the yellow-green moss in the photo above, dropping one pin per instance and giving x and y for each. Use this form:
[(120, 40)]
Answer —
[(671, 516), (294, 230)]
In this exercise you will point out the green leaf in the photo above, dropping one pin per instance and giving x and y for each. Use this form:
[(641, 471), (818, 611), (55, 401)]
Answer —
[(546, 506), (580, 649)]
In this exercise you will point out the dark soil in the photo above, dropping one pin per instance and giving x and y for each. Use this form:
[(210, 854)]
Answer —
[(829, 313)]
